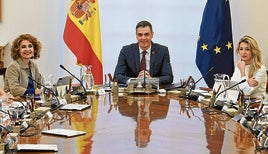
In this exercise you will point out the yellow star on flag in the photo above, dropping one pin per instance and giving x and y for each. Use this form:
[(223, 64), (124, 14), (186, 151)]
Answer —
[(217, 50), (204, 47), (229, 45)]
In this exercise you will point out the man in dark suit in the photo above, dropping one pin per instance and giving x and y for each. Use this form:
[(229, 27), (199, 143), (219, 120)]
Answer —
[(156, 62)]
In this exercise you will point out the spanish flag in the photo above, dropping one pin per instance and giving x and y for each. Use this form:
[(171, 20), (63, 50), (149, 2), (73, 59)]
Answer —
[(82, 35)]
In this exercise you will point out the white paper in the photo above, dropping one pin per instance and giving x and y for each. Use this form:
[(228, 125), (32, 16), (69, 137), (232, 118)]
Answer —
[(64, 132), (37, 147), (75, 107)]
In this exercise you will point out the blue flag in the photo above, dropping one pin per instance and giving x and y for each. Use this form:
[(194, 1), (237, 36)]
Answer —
[(215, 42)]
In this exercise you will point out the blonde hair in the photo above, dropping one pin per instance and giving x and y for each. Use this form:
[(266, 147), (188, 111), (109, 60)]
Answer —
[(256, 61), (16, 46)]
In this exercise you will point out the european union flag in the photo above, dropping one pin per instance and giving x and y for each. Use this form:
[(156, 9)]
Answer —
[(215, 43)]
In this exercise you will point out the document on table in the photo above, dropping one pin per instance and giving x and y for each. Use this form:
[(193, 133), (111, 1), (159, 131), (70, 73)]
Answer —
[(75, 107), (37, 147), (63, 132)]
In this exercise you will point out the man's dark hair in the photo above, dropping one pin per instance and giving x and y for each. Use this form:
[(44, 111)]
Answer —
[(144, 24)]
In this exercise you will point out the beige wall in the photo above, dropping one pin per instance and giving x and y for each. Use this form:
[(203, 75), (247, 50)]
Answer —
[(176, 24)]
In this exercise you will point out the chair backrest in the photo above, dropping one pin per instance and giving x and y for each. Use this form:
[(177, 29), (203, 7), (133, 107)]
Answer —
[(3, 71), (2, 76), (267, 82)]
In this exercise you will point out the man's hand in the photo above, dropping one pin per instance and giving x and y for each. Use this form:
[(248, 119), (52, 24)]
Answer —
[(141, 74)]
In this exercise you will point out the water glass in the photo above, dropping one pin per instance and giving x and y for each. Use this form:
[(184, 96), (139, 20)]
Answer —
[(30, 101)]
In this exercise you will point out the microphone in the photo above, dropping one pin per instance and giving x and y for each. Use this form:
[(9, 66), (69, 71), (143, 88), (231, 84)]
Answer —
[(257, 127), (5, 113), (81, 84), (144, 81), (53, 105), (188, 81), (22, 113), (217, 95), (6, 129), (110, 77), (183, 86), (244, 80), (13, 99), (205, 75), (195, 97), (12, 117)]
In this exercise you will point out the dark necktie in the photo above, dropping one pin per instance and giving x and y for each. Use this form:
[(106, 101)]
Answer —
[(143, 61)]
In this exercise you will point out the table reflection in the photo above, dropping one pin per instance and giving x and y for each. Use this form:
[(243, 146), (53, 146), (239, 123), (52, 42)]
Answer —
[(144, 123), (214, 125), (221, 129), (143, 109), (86, 121)]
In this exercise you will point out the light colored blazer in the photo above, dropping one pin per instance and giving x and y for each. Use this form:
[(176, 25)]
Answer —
[(16, 77)]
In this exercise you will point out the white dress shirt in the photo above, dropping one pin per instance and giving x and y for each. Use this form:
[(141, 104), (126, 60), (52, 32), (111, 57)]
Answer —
[(258, 91)]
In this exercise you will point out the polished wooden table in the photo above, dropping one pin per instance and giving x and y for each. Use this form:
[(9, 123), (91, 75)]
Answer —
[(147, 124)]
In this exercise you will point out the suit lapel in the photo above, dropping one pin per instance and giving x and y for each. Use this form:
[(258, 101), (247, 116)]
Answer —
[(136, 56), (153, 58)]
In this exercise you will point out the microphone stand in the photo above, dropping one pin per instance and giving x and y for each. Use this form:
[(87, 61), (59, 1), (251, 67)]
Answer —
[(256, 126), (184, 95), (218, 93), (111, 79), (144, 80), (9, 127), (230, 87), (206, 74), (84, 95), (195, 97), (53, 93), (25, 108)]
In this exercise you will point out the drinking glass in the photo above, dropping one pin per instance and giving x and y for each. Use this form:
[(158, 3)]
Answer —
[(30, 101)]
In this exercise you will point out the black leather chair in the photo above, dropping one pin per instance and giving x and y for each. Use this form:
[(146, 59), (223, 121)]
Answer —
[(3, 72)]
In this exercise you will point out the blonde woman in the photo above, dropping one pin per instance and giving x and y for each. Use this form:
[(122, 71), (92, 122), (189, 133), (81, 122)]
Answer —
[(250, 67)]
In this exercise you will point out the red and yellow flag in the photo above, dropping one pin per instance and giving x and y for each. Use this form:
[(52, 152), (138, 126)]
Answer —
[(82, 35)]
